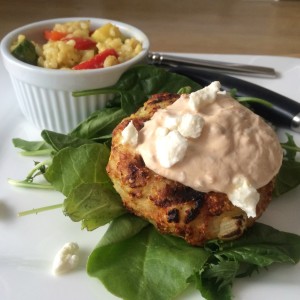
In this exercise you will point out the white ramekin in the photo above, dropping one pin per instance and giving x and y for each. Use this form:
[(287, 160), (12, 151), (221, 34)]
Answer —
[(45, 95)]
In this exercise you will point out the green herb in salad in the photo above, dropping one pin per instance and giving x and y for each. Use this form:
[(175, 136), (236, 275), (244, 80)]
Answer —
[(24, 50), (132, 259)]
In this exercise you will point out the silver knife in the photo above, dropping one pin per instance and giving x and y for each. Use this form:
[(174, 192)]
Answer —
[(177, 61)]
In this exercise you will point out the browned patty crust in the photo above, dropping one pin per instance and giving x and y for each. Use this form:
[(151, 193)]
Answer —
[(172, 207)]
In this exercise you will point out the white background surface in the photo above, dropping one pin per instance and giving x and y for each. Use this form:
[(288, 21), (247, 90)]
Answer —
[(29, 244)]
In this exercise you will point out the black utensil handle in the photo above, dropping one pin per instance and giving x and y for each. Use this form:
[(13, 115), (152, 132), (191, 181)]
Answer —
[(283, 112)]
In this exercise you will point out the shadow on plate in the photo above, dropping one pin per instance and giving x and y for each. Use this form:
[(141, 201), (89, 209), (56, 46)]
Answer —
[(6, 212)]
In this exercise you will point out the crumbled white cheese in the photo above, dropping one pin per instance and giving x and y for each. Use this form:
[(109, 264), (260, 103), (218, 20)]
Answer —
[(171, 122), (244, 196), (66, 259), (171, 148), (190, 126), (130, 135), (161, 131), (204, 96), (172, 137)]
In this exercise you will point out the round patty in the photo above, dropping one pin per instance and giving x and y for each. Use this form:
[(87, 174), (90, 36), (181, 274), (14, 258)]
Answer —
[(170, 206)]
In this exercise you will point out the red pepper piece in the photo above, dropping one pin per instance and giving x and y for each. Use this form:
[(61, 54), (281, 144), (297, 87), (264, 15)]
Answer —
[(54, 35), (96, 61), (82, 43)]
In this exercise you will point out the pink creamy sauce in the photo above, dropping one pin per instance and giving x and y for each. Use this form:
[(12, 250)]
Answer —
[(234, 141)]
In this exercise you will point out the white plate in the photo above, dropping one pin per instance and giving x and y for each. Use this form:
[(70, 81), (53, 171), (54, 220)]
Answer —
[(28, 244)]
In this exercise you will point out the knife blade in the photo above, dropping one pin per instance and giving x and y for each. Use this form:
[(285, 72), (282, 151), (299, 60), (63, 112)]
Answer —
[(284, 111)]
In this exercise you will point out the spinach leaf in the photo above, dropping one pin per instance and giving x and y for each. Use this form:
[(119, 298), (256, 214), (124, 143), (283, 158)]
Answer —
[(289, 174), (214, 281), (133, 88), (95, 204), (100, 124), (137, 84), (261, 245), (59, 141), (97, 127), (290, 147), (223, 273), (143, 264), (121, 229), (134, 261), (73, 166), (80, 174), (33, 148), (288, 177)]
